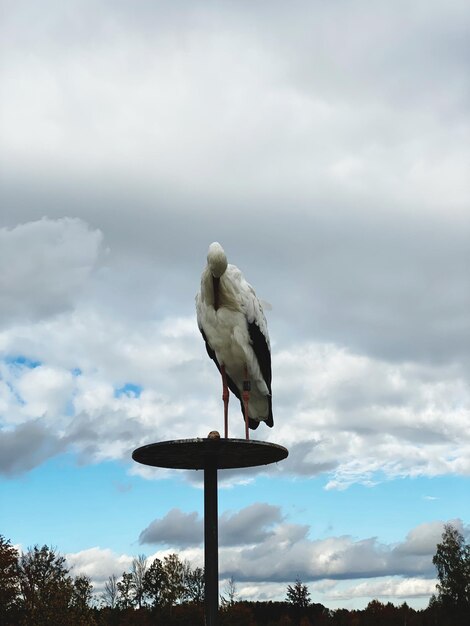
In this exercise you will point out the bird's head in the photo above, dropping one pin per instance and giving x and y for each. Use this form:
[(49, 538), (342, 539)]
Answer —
[(216, 259)]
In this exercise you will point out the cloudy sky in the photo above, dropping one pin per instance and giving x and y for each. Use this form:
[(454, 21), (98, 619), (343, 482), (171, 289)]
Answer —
[(326, 145)]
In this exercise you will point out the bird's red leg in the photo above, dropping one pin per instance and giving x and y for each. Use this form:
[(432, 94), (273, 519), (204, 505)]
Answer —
[(225, 397), (246, 398)]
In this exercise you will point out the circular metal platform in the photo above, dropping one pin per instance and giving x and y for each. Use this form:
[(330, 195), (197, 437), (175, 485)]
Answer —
[(197, 454)]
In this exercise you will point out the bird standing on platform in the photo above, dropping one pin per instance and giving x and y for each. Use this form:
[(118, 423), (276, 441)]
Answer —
[(232, 322)]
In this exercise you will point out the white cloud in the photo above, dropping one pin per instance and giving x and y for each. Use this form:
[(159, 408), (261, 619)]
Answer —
[(423, 538), (339, 594), (357, 418), (338, 570), (98, 563), (389, 588), (27, 445), (334, 558), (175, 528), (277, 551), (101, 563), (46, 391), (250, 525), (371, 415), (49, 263)]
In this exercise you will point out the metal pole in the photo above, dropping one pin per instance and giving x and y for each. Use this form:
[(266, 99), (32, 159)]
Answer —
[(211, 545)]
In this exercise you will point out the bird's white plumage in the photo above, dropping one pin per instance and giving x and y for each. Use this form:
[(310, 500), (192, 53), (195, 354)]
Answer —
[(225, 320)]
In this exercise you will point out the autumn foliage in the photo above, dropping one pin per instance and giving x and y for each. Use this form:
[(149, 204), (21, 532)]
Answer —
[(37, 588)]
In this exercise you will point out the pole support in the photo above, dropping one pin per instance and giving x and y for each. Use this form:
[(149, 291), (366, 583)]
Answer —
[(211, 543), (210, 455)]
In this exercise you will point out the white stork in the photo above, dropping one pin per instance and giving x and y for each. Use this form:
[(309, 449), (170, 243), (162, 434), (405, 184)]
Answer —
[(231, 320)]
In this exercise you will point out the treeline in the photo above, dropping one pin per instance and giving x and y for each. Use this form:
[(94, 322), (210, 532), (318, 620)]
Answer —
[(38, 589)]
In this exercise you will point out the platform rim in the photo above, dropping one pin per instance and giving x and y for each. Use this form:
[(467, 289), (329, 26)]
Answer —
[(223, 453)]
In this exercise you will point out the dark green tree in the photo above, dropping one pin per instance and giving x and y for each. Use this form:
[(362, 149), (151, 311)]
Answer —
[(46, 587), (82, 593), (452, 561), (154, 583), (126, 591), (298, 595), (174, 580), (193, 584), (81, 601), (9, 582)]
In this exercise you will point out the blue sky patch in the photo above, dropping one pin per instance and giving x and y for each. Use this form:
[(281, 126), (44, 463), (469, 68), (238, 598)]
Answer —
[(129, 389), (22, 361)]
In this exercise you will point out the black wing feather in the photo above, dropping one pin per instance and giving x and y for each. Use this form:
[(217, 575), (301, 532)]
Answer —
[(262, 352), (263, 356)]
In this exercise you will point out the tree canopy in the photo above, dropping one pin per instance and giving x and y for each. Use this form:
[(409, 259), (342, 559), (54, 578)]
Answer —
[(9, 583), (37, 588), (452, 561), (298, 595)]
